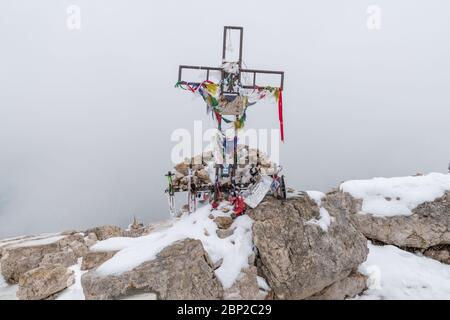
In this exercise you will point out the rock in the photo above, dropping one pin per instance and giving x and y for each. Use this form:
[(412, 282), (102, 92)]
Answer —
[(245, 287), (93, 259), (90, 243), (64, 258), (79, 248), (106, 232), (440, 253), (428, 226), (203, 176), (44, 281), (182, 270), (182, 168), (20, 258), (349, 287), (298, 259), (134, 232), (223, 222), (136, 229), (225, 233), (92, 236)]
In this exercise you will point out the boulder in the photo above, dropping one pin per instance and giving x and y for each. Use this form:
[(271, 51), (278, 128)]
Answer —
[(93, 259), (182, 270), (22, 257), (79, 248), (428, 226), (245, 287), (223, 222), (136, 229), (349, 287), (106, 232), (44, 281), (298, 258), (225, 233), (64, 258)]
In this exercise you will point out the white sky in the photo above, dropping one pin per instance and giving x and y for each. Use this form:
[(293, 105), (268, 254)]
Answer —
[(86, 116)]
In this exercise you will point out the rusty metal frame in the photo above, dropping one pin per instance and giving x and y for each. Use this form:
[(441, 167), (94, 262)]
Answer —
[(254, 72)]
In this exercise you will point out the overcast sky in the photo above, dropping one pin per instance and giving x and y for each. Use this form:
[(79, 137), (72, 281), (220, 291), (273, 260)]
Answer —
[(86, 115)]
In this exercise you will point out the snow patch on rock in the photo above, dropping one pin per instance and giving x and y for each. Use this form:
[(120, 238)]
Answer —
[(234, 250), (399, 195), (325, 219), (398, 274)]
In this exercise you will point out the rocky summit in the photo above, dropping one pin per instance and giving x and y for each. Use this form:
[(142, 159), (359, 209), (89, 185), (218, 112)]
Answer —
[(311, 245)]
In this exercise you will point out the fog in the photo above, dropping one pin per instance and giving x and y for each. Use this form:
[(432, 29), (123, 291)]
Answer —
[(86, 115)]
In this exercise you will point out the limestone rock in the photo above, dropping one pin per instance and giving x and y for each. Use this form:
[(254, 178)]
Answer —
[(64, 258), (93, 259), (440, 253), (225, 233), (106, 232), (428, 226), (298, 259), (223, 222), (79, 248), (44, 281), (182, 270), (349, 287), (245, 287), (203, 176), (20, 258)]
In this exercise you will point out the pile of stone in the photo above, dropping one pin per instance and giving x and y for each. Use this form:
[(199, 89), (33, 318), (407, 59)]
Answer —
[(203, 170), (41, 265)]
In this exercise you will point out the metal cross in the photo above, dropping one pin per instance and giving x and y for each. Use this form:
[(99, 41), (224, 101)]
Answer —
[(224, 75)]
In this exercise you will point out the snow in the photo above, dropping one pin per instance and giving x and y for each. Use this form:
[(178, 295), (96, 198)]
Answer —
[(262, 283), (37, 242), (75, 291), (234, 250), (397, 196), (29, 240), (317, 196), (324, 220), (397, 274)]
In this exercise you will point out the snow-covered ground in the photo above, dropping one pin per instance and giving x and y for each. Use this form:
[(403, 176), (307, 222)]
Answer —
[(7, 292), (234, 250), (398, 274), (393, 274), (397, 196)]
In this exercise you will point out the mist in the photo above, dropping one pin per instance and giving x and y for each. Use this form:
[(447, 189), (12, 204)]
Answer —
[(86, 115)]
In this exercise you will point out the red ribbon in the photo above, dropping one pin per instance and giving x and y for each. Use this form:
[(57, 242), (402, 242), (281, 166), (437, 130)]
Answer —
[(280, 114)]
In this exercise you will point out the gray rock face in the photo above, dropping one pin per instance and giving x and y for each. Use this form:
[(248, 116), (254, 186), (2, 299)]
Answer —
[(106, 232), (349, 287), (246, 287), (428, 226), (297, 258), (182, 270), (440, 253), (64, 258), (44, 281), (94, 259), (18, 259)]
